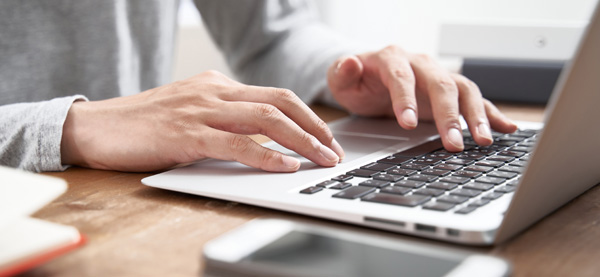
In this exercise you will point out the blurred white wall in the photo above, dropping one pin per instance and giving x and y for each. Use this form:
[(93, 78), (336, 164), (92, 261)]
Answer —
[(412, 24)]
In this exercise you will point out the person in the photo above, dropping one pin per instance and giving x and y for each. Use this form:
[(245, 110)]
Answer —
[(118, 54)]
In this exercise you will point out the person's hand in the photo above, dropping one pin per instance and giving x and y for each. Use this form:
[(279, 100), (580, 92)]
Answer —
[(392, 82), (208, 115)]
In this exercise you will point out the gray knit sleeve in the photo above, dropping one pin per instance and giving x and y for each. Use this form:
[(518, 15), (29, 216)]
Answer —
[(278, 43), (30, 134)]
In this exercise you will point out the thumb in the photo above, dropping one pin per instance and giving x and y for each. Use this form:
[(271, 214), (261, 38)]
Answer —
[(345, 73)]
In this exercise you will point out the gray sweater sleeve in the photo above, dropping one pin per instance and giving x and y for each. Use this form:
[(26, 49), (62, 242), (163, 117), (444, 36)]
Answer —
[(278, 43), (31, 134)]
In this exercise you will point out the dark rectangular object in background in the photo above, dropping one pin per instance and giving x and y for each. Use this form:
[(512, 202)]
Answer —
[(514, 80)]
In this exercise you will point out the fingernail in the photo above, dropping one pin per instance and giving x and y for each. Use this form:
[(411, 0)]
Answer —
[(455, 137), (409, 117), (290, 162), (339, 65), (337, 148), (484, 131), (328, 154)]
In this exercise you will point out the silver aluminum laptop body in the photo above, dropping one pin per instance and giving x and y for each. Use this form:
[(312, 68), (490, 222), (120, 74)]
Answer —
[(564, 164)]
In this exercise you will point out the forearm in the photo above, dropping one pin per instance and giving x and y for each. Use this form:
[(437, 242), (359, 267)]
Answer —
[(31, 134)]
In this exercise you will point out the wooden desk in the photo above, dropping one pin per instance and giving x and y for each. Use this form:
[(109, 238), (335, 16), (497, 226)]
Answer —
[(142, 231)]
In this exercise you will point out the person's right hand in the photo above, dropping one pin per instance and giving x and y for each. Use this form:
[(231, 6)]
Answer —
[(208, 115)]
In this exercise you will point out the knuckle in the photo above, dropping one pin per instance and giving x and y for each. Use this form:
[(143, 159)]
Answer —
[(266, 158), (284, 94), (211, 73), (239, 144), (306, 139), (323, 128), (393, 49), (422, 58), (443, 85), (267, 112), (403, 74)]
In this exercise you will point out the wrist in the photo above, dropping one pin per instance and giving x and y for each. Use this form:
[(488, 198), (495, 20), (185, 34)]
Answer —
[(70, 149)]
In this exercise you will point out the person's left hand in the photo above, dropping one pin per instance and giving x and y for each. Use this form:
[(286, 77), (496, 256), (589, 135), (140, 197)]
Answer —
[(392, 82)]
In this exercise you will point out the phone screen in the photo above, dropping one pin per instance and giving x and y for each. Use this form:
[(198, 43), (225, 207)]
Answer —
[(318, 255)]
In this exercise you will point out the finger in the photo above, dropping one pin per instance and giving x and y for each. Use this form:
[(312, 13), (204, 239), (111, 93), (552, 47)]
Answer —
[(473, 110), (233, 147), (398, 77), (498, 120), (345, 73), (246, 117), (443, 94), (288, 103)]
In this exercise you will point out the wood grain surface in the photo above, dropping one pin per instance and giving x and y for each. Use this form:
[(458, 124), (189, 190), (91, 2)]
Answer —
[(134, 230)]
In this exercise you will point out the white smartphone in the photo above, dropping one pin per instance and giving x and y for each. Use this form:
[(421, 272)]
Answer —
[(273, 247)]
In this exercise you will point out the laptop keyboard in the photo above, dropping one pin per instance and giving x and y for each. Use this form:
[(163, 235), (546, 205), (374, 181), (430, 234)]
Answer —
[(432, 178)]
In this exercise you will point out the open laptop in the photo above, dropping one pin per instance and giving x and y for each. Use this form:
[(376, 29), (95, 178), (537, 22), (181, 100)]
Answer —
[(484, 195)]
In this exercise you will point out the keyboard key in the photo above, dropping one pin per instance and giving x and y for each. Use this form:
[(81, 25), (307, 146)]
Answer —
[(394, 160), (429, 191), (478, 186), (442, 185), (455, 179), (342, 178), (465, 192), (489, 163), (353, 192), (505, 189), (341, 185), (500, 158), (505, 142), (422, 177), (492, 195), (516, 169), (518, 163), (393, 199), (409, 183), (448, 166), (522, 148), (454, 199), (401, 171), (510, 153), (439, 155), (490, 180), (427, 161), (387, 177), (470, 156), (479, 168), (466, 173), (511, 137), (479, 202), (483, 150), (459, 161), (438, 206), (374, 183), (311, 190), (414, 166), (378, 166), (502, 174), (466, 210), (436, 172), (327, 183), (396, 190), (528, 144), (365, 173)]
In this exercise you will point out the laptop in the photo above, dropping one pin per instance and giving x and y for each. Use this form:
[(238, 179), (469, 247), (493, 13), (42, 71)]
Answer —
[(403, 181)]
